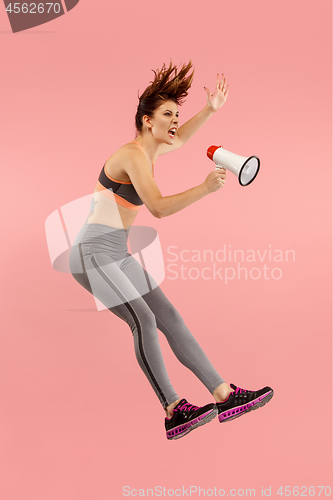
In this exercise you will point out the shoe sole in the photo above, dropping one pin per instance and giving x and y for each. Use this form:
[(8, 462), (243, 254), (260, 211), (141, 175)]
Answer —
[(183, 430), (238, 411)]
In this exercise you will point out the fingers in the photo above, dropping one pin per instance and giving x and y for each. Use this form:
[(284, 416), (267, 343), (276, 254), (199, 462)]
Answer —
[(221, 175), (221, 172), (221, 85), (208, 91), (221, 182), (216, 179)]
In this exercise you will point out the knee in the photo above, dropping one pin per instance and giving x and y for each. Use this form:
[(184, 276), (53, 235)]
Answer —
[(147, 318), (142, 318), (172, 315)]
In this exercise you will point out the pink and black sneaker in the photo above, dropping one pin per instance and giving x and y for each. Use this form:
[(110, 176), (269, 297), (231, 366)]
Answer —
[(187, 417), (242, 401)]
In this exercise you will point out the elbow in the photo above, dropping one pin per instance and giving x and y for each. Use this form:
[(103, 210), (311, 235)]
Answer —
[(157, 213)]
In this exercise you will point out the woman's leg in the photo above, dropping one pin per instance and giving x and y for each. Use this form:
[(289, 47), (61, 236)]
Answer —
[(171, 324), (232, 402), (131, 293), (102, 277)]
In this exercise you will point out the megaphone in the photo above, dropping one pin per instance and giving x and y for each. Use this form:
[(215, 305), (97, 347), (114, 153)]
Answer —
[(246, 168)]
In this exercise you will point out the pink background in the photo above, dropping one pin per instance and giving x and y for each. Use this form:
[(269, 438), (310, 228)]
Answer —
[(78, 420)]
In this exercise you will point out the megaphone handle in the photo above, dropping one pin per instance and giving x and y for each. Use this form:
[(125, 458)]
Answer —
[(217, 166)]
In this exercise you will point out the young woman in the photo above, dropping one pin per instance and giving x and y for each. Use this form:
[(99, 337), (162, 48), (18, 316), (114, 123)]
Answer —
[(101, 263)]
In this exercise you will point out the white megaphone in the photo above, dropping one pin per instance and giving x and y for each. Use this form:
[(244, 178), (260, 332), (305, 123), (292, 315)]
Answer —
[(246, 168)]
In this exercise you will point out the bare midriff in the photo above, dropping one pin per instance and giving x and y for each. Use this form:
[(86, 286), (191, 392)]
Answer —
[(109, 213)]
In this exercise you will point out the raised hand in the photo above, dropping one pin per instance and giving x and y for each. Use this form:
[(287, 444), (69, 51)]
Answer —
[(216, 100)]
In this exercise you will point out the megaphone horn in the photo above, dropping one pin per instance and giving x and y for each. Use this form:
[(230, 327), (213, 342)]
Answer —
[(246, 168)]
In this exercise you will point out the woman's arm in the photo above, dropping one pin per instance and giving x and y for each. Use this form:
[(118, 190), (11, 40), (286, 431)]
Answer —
[(138, 169), (214, 102)]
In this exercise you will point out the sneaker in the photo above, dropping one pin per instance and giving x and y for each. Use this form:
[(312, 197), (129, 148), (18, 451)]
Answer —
[(242, 401), (187, 417)]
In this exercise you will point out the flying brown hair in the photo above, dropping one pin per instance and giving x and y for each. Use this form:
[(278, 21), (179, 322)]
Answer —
[(169, 83)]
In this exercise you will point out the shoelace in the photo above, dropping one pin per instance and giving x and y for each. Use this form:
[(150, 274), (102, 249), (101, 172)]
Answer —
[(187, 407), (238, 390)]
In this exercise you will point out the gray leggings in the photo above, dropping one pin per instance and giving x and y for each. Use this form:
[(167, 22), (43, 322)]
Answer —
[(100, 262)]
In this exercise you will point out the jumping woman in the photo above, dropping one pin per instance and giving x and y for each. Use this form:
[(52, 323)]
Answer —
[(101, 263)]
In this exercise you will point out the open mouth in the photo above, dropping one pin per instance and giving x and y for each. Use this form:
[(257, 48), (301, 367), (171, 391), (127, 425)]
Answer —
[(172, 132)]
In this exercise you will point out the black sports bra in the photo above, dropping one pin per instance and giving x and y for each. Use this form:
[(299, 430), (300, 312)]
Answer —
[(122, 192)]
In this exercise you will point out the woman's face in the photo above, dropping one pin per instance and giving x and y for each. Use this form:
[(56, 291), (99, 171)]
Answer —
[(165, 122)]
